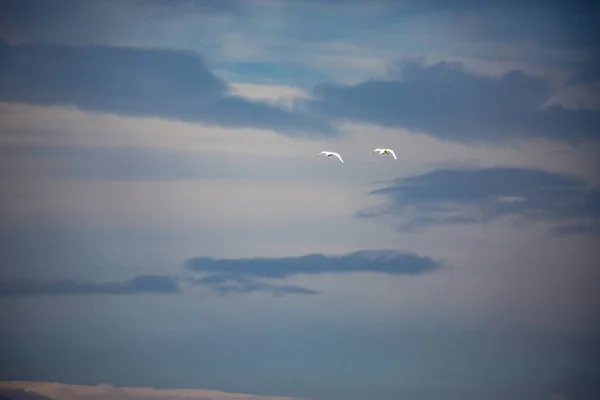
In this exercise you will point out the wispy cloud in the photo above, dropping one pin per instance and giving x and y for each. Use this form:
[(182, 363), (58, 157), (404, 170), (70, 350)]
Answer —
[(146, 284), (231, 284), (140, 82), (482, 195), (449, 102), (138, 285), (61, 391)]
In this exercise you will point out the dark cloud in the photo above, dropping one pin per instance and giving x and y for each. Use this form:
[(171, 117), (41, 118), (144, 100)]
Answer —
[(138, 285), (235, 276), (481, 195), (449, 102), (138, 82), (379, 261)]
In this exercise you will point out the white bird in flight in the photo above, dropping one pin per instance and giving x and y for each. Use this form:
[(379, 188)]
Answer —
[(385, 151), (329, 154)]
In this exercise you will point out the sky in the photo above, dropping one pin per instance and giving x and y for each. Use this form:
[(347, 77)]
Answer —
[(165, 222)]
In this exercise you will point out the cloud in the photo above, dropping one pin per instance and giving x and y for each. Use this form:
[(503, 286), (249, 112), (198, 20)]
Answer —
[(463, 196), (138, 285), (378, 261), (231, 284), (447, 101), (138, 82)]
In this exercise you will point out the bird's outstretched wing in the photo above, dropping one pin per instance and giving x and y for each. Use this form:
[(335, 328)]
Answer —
[(338, 156), (375, 151), (393, 154)]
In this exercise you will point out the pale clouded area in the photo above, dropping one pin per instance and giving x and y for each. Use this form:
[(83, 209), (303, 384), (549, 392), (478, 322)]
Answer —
[(166, 222), (238, 187)]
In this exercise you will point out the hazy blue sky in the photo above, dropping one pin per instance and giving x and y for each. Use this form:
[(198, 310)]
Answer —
[(164, 220)]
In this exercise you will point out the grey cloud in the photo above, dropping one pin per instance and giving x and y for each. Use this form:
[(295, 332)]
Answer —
[(138, 285), (481, 195), (449, 102), (139, 82), (377, 261)]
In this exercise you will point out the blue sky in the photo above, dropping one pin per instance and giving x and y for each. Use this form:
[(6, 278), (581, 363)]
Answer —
[(165, 222)]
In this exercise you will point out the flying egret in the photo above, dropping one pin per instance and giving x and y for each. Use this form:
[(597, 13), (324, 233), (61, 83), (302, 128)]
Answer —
[(385, 151), (329, 154)]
